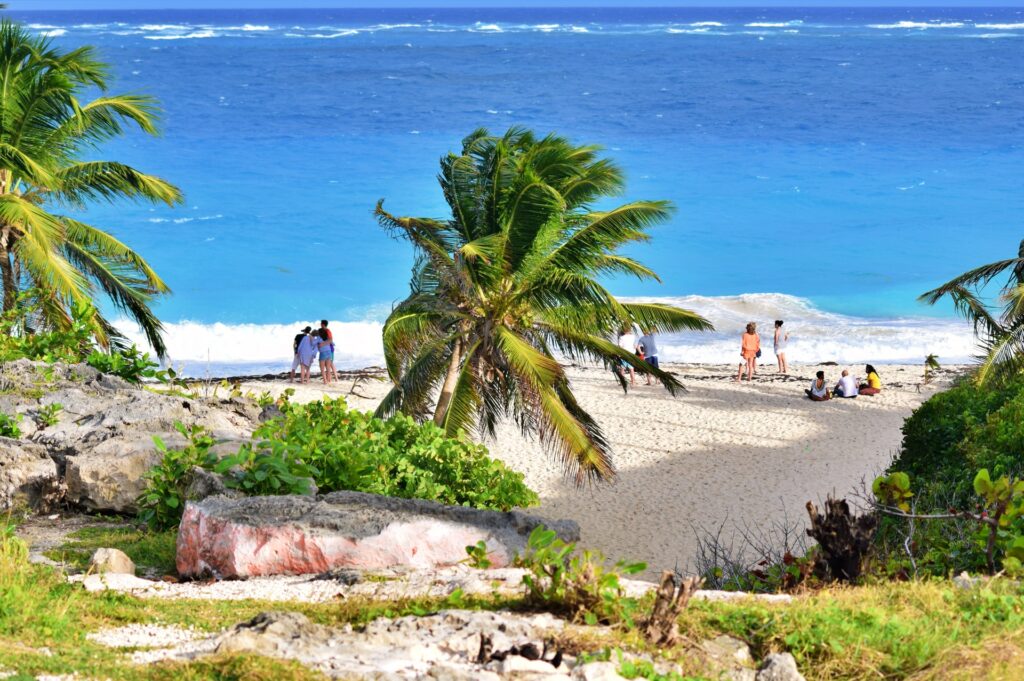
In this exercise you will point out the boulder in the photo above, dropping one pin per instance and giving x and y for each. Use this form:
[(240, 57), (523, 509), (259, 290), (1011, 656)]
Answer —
[(779, 667), (111, 561), (259, 536), (110, 477), (597, 671), (28, 476)]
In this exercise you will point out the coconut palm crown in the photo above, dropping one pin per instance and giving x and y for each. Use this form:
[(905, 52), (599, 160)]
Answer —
[(45, 133), (1001, 331), (508, 282)]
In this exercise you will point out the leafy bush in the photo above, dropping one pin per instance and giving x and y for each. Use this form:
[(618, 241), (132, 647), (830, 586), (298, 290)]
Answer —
[(577, 584), (163, 501), (338, 449), (9, 426), (351, 450), (129, 364), (49, 415)]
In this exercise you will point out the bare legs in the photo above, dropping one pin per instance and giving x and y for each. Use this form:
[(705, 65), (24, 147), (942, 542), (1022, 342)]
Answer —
[(750, 363), (783, 367)]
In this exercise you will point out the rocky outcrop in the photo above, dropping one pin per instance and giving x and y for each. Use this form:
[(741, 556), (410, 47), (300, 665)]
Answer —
[(102, 443), (258, 536), (111, 561)]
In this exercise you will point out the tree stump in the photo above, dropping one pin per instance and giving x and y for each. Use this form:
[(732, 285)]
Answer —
[(662, 628), (843, 539)]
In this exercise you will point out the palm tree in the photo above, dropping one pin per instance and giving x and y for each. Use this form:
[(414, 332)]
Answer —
[(45, 130), (1001, 332), (508, 281)]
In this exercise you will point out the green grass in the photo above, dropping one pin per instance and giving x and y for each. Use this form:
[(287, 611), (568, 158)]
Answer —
[(917, 630), (150, 551)]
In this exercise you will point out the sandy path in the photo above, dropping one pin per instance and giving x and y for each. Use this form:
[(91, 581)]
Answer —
[(747, 454)]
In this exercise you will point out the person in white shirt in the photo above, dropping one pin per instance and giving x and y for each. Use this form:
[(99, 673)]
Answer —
[(627, 341), (650, 347), (818, 391), (847, 386)]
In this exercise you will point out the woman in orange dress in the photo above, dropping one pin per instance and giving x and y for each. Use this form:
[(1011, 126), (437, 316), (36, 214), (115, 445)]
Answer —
[(749, 350)]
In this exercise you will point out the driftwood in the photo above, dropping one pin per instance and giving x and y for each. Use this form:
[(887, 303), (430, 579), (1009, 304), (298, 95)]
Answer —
[(662, 627), (843, 539)]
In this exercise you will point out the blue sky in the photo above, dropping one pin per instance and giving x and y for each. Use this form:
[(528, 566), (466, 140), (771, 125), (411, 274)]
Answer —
[(190, 4)]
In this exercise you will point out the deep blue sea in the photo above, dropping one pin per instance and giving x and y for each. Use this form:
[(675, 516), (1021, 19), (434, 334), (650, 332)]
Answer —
[(827, 165)]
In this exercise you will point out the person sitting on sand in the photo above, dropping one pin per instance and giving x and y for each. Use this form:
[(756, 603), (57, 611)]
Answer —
[(750, 350), (781, 340), (874, 383), (650, 347), (847, 386), (818, 392), (306, 354), (324, 346), (295, 351), (627, 341)]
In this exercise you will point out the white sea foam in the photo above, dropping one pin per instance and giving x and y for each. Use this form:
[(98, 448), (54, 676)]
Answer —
[(41, 27), (1001, 27), (711, 24), (339, 34), (579, 29), (993, 36), (249, 27), (546, 28), (773, 24), (919, 24), (487, 28), (165, 27), (206, 33), (54, 33), (815, 336)]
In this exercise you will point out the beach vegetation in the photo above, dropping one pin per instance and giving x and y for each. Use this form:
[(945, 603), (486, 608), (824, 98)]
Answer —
[(49, 415), (47, 129), (1000, 330), (509, 281), (9, 426), (337, 448)]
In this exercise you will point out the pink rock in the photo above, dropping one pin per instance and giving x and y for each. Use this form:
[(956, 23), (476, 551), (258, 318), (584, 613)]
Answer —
[(258, 536)]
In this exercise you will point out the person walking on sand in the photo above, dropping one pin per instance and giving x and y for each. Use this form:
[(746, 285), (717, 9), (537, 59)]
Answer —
[(750, 350), (325, 348), (650, 347), (781, 340), (818, 392), (627, 341), (847, 386), (873, 386), (306, 353), (330, 339), (295, 351)]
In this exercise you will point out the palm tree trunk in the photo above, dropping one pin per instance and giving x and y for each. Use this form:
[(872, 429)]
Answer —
[(445, 398), (8, 278)]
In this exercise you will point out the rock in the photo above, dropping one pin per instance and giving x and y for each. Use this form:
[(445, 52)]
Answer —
[(28, 476), (258, 536), (110, 477), (116, 581), (207, 484), (111, 561), (966, 582), (515, 666), (270, 412), (728, 651), (779, 667), (597, 671), (276, 634)]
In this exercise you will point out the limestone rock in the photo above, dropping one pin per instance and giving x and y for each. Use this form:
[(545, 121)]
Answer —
[(728, 651), (111, 561), (110, 477), (28, 476), (258, 536), (116, 581), (779, 667), (597, 671)]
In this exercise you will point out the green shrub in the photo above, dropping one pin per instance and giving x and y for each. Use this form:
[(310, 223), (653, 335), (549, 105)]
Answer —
[(129, 364), (163, 501), (9, 426), (49, 415), (397, 457), (339, 449)]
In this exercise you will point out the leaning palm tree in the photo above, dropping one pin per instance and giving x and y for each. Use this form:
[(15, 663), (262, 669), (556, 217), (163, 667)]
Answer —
[(1000, 331), (45, 131), (508, 282)]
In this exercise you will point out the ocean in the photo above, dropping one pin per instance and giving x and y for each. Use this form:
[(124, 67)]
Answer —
[(828, 166)]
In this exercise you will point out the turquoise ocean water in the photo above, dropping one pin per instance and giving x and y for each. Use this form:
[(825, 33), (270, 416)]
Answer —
[(827, 165)]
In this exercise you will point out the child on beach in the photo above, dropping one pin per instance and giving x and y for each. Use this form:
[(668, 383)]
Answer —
[(818, 392), (750, 350), (781, 340), (874, 383)]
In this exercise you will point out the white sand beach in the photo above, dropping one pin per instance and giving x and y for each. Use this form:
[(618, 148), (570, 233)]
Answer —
[(749, 454)]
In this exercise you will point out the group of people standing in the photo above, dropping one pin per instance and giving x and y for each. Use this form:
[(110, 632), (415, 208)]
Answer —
[(645, 348), (750, 349), (310, 345)]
